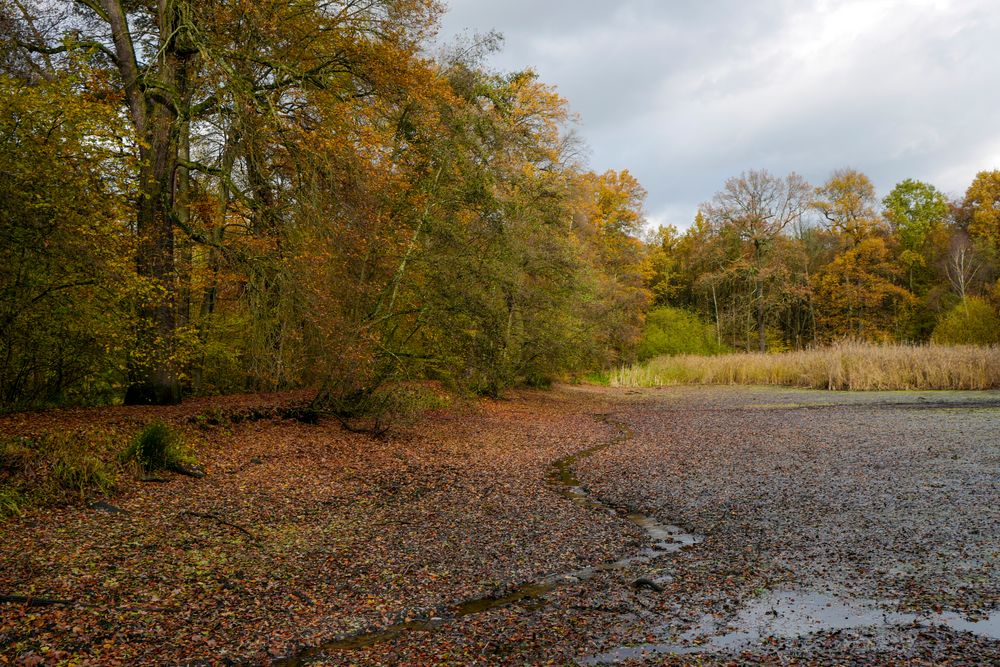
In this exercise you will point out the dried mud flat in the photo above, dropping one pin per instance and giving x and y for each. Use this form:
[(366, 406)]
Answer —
[(811, 527)]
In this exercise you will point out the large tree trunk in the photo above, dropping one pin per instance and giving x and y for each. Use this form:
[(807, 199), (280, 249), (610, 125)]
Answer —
[(153, 375), (152, 372), (185, 246)]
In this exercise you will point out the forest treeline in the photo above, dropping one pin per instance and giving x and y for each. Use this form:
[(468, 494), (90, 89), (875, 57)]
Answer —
[(216, 196), (774, 263)]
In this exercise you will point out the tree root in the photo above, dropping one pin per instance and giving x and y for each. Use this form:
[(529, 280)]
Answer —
[(31, 601), (218, 519)]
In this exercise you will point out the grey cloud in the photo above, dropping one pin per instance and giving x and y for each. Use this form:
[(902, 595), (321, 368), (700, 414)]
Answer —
[(686, 94)]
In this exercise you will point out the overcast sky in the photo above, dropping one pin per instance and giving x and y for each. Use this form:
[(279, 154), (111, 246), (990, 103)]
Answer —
[(685, 93)]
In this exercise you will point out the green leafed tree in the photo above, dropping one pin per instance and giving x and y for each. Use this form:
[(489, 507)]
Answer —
[(917, 214)]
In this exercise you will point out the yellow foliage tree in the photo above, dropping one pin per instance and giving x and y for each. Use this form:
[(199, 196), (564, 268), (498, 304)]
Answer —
[(857, 295), (982, 201)]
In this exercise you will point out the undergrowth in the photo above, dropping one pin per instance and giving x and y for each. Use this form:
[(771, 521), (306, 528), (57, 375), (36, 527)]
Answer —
[(602, 378), (677, 331), (845, 366), (55, 468), (75, 465)]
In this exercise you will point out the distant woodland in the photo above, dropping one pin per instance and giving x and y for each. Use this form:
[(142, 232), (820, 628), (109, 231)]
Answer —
[(221, 196), (777, 264)]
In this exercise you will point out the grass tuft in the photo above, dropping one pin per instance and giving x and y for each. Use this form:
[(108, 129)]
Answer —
[(83, 474), (158, 447), (12, 503), (76, 465), (844, 366)]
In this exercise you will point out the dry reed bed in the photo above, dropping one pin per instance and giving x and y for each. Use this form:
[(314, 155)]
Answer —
[(844, 366)]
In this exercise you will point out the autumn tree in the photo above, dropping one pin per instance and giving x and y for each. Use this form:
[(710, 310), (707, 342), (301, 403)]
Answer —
[(66, 277), (757, 208), (614, 217), (692, 271), (493, 263), (157, 96), (664, 273), (220, 67), (317, 202), (982, 201), (851, 269), (858, 294), (847, 205)]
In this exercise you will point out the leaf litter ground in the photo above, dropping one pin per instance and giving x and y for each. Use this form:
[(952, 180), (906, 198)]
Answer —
[(304, 533)]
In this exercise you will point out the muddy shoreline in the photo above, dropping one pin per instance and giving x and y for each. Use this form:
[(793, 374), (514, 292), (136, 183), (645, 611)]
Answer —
[(662, 539)]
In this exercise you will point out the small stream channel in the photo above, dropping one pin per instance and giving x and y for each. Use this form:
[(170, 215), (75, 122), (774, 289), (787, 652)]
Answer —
[(664, 538)]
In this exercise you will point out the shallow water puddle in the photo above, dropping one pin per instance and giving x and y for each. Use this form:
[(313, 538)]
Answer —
[(665, 539), (790, 614)]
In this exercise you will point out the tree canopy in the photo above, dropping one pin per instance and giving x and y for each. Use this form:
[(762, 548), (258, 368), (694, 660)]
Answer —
[(243, 196), (222, 196)]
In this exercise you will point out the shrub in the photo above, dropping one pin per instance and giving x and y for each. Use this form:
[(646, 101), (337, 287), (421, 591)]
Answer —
[(65, 288), (157, 447), (602, 378), (677, 331), (396, 404), (972, 322), (213, 416)]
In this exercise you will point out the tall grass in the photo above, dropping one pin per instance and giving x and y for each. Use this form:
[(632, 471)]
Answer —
[(844, 366)]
